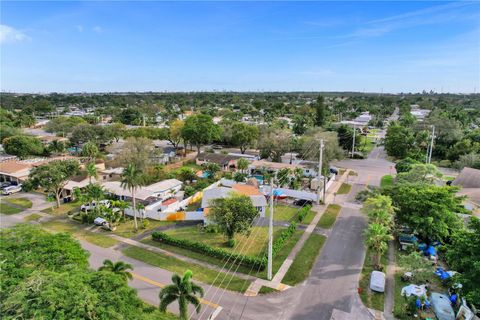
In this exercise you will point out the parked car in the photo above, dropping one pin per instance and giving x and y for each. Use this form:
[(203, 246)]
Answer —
[(11, 189), (333, 170), (5, 184), (93, 204), (302, 202), (100, 221)]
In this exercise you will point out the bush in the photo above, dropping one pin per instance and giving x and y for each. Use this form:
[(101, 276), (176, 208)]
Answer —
[(284, 236), (303, 213), (145, 223), (231, 243)]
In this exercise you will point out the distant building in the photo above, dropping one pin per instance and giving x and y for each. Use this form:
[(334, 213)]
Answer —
[(226, 162), (418, 113)]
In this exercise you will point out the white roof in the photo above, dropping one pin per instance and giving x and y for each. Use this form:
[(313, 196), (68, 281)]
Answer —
[(71, 184), (142, 193), (118, 170), (222, 192)]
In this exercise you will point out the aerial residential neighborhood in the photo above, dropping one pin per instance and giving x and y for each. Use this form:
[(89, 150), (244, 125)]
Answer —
[(240, 160)]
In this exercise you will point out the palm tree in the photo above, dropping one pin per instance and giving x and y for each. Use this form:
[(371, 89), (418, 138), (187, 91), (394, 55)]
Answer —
[(376, 239), (118, 267), (132, 179), (183, 290), (242, 164), (120, 204), (91, 171), (95, 191)]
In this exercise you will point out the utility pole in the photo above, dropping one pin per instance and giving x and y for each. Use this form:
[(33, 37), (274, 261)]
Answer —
[(353, 144), (431, 145), (270, 234), (320, 160)]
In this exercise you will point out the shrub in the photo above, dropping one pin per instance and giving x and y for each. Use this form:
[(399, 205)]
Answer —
[(231, 243), (303, 212), (145, 223)]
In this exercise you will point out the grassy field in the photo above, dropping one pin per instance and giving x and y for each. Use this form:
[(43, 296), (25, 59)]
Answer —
[(7, 209), (200, 273), (257, 241), (365, 145), (285, 213), (14, 205), (32, 217), (370, 298), (126, 229), (277, 260), (329, 216), (344, 188), (301, 266), (21, 202), (76, 229), (64, 208), (309, 217), (386, 181)]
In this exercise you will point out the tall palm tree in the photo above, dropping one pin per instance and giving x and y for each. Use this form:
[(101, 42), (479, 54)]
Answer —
[(132, 179), (118, 267), (183, 290), (376, 239), (91, 171)]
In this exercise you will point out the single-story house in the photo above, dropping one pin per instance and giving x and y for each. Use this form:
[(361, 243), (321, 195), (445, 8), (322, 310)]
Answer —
[(225, 161), (110, 174), (14, 171), (258, 199), (259, 165), (159, 191)]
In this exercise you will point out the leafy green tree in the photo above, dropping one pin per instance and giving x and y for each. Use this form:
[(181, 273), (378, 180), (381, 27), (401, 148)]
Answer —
[(463, 255), (199, 130), (275, 143), (300, 124), (95, 191), (137, 151), (85, 133), (320, 112), (175, 132), (233, 214), (63, 126), (56, 146), (377, 237), (187, 174), (131, 116), (345, 137), (23, 146), (242, 164), (132, 179), (420, 173), (405, 165), (429, 209), (182, 290), (471, 160), (239, 177), (53, 176), (120, 268), (90, 150), (91, 170), (244, 135), (398, 141), (283, 176)]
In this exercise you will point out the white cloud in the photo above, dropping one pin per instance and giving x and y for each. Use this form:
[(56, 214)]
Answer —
[(97, 29), (79, 28), (9, 34)]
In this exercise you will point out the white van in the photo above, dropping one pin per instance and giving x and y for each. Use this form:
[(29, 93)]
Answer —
[(11, 189)]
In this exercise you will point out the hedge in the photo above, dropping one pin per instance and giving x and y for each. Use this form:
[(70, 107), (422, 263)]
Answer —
[(249, 261), (303, 212)]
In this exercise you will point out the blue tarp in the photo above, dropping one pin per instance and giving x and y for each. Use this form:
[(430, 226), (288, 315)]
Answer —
[(431, 251), (442, 273)]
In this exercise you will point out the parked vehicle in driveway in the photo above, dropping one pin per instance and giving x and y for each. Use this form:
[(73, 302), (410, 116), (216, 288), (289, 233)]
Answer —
[(5, 184), (100, 221), (302, 202), (377, 281), (92, 205), (11, 189)]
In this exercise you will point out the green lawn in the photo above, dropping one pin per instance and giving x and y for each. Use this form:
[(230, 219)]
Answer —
[(126, 229), (7, 209), (257, 241), (77, 230), (371, 299), (283, 212), (309, 217), (14, 205), (266, 290), (329, 216), (200, 273), (344, 188), (366, 145), (386, 181), (277, 260), (32, 217), (21, 202), (304, 260), (64, 208)]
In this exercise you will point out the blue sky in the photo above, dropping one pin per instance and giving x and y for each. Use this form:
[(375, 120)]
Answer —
[(241, 46)]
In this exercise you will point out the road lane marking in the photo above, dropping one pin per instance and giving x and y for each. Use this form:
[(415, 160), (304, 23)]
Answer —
[(161, 285)]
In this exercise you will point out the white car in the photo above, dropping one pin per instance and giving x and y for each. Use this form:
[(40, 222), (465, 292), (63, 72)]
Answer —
[(100, 221), (11, 189), (93, 204)]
